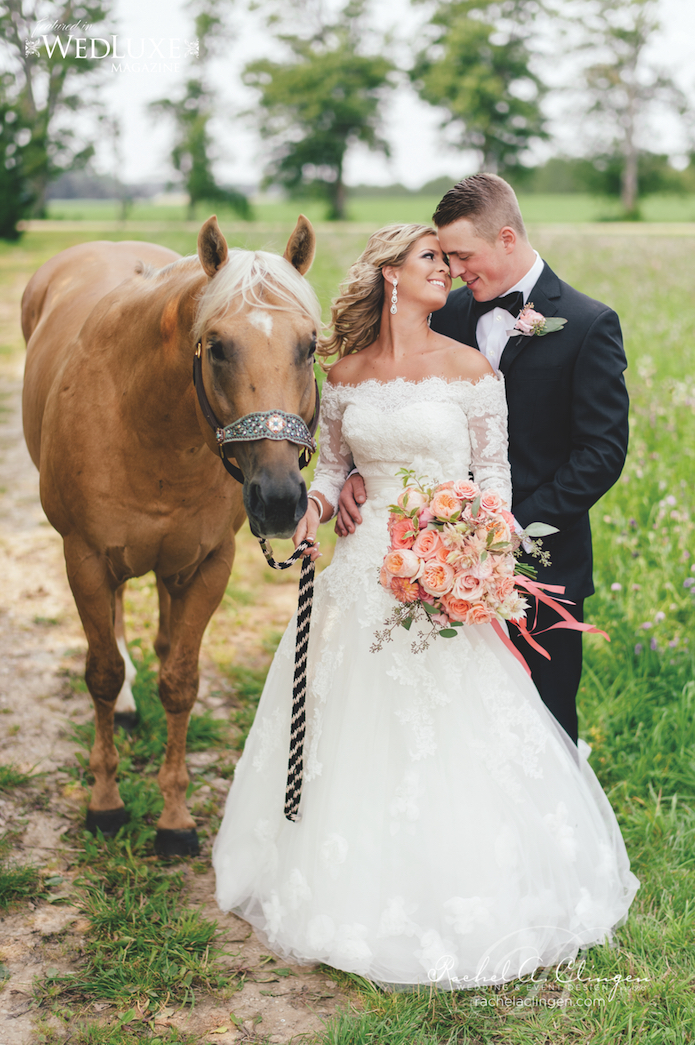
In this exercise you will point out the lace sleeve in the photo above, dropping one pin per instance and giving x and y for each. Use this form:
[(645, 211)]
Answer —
[(335, 458), (487, 424)]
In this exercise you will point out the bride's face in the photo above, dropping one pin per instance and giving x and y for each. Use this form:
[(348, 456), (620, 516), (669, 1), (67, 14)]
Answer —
[(423, 277)]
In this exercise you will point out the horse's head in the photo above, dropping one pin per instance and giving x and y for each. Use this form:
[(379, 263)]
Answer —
[(257, 324)]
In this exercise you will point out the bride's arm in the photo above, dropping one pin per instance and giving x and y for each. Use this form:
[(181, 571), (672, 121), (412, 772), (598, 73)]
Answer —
[(332, 468), (487, 425)]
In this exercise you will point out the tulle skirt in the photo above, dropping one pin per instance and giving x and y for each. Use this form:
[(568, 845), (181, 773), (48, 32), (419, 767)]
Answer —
[(450, 831)]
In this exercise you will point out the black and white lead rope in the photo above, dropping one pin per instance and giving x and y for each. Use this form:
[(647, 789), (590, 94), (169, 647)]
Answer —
[(295, 766)]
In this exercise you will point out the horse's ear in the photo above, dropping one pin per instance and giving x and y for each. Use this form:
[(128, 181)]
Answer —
[(212, 246), (301, 246)]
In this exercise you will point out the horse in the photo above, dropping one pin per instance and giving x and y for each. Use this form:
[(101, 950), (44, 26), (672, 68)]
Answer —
[(133, 463)]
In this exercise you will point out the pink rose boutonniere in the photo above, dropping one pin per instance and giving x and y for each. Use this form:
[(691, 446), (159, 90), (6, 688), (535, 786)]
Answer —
[(531, 322)]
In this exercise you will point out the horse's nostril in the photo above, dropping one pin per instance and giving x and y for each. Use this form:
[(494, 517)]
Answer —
[(254, 501)]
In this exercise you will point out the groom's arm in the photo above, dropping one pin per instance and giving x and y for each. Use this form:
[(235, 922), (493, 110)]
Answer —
[(352, 495), (598, 431)]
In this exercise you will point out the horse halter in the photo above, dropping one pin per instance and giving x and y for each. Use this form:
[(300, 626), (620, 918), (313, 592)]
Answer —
[(264, 424)]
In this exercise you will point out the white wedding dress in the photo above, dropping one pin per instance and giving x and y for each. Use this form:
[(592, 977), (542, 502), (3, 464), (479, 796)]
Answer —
[(449, 830)]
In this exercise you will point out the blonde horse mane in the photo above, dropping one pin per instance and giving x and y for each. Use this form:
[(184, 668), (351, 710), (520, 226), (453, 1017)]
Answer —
[(250, 275)]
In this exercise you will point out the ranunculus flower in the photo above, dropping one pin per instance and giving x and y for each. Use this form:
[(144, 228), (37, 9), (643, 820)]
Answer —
[(427, 544), (444, 505), (405, 590), (490, 501), (466, 490), (402, 563), (478, 614), (437, 578), (403, 533), (457, 609), (411, 498)]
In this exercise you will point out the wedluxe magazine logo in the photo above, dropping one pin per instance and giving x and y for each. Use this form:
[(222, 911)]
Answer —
[(121, 54)]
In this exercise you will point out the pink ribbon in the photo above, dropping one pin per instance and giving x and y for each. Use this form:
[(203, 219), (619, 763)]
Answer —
[(568, 623)]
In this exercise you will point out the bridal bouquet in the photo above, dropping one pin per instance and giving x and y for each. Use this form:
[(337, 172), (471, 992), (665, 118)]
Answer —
[(453, 560)]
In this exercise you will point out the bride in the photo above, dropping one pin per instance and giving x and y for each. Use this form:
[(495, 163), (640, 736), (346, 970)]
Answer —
[(449, 833)]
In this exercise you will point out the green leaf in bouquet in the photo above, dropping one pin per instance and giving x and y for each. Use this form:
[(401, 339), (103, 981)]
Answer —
[(483, 556), (475, 507), (429, 608), (551, 324), (447, 633), (456, 624), (407, 623), (501, 546), (539, 529)]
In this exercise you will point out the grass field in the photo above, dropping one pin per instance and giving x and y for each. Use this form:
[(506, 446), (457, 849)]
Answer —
[(383, 209), (637, 699)]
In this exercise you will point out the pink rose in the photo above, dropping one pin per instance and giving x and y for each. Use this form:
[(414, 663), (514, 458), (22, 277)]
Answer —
[(490, 501), (437, 578), (508, 518), (442, 553), (530, 322), (478, 614), (466, 490), (403, 533), (444, 504), (427, 544), (504, 567), (411, 498), (444, 486), (402, 563), (424, 516), (467, 586)]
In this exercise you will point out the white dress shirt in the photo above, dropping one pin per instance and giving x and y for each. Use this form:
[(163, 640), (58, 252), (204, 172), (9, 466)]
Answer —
[(491, 330)]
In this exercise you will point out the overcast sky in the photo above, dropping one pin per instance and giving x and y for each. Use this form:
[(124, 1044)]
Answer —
[(418, 153)]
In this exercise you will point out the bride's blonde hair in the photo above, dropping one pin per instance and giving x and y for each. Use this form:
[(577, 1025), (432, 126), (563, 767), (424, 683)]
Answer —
[(356, 312)]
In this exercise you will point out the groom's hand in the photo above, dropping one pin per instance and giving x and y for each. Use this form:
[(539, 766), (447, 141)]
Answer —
[(351, 496)]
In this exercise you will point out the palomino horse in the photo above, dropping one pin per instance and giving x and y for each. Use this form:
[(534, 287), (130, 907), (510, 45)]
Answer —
[(123, 448)]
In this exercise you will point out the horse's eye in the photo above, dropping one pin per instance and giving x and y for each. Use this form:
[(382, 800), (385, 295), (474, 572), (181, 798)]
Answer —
[(216, 349), (312, 346)]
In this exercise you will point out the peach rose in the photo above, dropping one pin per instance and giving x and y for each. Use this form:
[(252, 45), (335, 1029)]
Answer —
[(457, 609), (490, 501), (427, 544), (508, 518), (411, 498), (445, 504), (442, 553), (402, 563), (437, 578), (478, 614), (444, 486), (405, 590), (403, 533), (466, 490)]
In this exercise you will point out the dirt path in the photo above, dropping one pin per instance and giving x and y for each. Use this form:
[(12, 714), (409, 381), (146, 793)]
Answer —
[(42, 646)]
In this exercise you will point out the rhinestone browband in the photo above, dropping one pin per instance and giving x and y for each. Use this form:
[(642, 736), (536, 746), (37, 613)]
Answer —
[(267, 424)]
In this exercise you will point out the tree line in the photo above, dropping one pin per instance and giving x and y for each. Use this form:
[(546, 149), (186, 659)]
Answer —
[(477, 61)]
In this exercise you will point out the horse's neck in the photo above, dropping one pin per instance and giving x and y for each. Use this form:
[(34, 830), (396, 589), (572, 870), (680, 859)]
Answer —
[(160, 360)]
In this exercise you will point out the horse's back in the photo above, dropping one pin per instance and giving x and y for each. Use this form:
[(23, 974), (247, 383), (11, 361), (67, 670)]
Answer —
[(58, 299)]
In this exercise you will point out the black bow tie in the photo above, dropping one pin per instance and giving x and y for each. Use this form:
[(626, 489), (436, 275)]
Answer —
[(513, 303)]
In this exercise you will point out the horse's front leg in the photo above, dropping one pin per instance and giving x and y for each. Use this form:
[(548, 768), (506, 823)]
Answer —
[(104, 674), (191, 608)]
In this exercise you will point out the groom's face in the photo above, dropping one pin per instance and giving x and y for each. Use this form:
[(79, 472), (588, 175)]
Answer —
[(486, 267)]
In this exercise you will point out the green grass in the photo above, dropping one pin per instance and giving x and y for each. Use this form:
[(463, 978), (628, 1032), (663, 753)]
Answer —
[(17, 882), (381, 210), (12, 777)]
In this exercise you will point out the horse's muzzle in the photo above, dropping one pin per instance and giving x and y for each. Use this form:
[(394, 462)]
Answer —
[(274, 504)]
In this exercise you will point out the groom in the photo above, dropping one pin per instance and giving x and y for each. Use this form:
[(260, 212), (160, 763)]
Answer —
[(568, 406)]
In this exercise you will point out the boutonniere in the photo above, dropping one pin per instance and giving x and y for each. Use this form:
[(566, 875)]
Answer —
[(530, 323)]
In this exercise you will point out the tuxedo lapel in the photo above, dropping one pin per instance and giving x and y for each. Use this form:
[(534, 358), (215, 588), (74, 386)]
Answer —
[(545, 298)]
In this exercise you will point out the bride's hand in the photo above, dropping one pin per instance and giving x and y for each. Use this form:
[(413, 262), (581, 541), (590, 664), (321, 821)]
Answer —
[(306, 530)]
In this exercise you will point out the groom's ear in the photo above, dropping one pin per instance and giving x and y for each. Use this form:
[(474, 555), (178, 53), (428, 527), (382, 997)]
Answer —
[(508, 237)]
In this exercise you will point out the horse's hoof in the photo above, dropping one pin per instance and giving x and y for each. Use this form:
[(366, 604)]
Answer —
[(170, 842), (126, 720), (108, 821)]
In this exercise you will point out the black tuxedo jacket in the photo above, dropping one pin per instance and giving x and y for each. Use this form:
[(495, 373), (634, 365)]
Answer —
[(568, 426)]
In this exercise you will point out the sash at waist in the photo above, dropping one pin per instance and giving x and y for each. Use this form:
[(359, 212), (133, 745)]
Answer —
[(383, 488)]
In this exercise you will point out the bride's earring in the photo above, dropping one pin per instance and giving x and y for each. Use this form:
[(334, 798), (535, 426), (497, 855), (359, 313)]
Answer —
[(394, 298)]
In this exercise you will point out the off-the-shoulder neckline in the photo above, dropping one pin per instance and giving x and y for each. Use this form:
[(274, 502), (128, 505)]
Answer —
[(422, 381)]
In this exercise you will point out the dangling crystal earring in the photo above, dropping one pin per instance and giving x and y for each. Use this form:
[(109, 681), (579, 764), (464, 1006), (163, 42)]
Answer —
[(394, 298)]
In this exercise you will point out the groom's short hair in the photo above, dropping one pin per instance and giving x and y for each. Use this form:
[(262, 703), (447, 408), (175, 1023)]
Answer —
[(487, 201)]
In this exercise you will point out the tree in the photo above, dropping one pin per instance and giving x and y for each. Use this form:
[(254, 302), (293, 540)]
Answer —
[(192, 154), (624, 89), (477, 67), (44, 81), (323, 99)]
